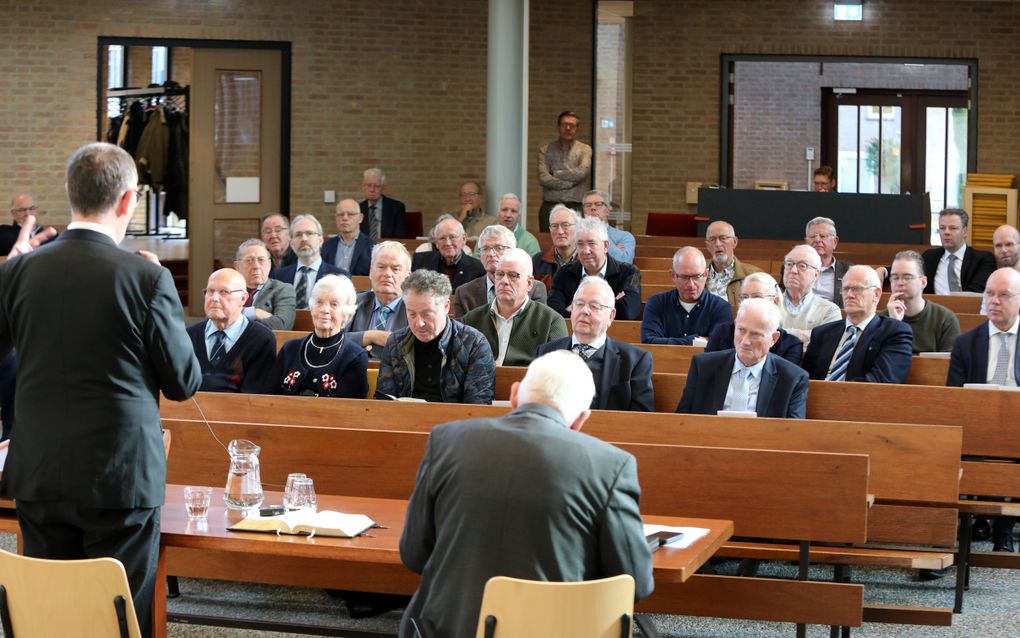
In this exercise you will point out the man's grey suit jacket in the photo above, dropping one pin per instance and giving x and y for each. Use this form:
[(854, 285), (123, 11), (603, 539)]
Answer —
[(362, 321), (278, 299), (474, 293), (521, 496)]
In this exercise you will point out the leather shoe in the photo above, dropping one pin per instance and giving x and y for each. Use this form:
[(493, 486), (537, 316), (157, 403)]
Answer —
[(748, 567), (1005, 547)]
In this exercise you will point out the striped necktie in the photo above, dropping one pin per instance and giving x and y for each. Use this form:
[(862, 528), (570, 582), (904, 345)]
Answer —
[(374, 223), (842, 361), (1000, 376), (384, 314), (301, 289)]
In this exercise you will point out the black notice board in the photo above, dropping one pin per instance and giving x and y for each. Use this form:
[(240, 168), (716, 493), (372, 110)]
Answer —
[(765, 214)]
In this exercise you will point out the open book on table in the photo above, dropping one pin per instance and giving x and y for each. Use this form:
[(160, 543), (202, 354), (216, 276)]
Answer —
[(324, 523)]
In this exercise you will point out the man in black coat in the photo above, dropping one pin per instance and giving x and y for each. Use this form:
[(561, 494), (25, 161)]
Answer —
[(956, 267), (383, 216), (99, 334), (449, 257)]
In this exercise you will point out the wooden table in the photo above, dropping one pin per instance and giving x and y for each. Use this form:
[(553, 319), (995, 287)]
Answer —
[(369, 563)]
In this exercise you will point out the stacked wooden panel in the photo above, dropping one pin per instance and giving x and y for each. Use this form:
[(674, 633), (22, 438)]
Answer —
[(991, 201)]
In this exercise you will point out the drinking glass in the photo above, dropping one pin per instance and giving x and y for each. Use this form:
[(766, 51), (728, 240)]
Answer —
[(288, 490), (196, 500), (303, 496)]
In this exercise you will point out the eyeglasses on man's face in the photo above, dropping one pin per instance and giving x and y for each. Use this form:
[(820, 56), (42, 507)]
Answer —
[(799, 266)]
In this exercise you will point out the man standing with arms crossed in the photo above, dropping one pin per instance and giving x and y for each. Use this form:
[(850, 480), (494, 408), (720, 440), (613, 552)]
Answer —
[(564, 169), (100, 333)]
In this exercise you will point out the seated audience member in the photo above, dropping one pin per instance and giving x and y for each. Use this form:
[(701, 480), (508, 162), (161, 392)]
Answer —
[(824, 180), (749, 377), (490, 500), (509, 216), (435, 358), (989, 353), (471, 214), (726, 272), (676, 317), (350, 249), (275, 230), (449, 258), (492, 243), (820, 233), (956, 267), (622, 372), (1006, 241), (326, 363), (864, 346), (235, 354), (562, 222), (934, 327), (306, 232), (514, 325), (24, 213), (621, 243), (802, 309), (270, 302), (382, 216), (592, 240), (758, 285), (380, 310)]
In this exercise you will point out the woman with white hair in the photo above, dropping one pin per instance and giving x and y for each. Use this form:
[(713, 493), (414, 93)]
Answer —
[(325, 363)]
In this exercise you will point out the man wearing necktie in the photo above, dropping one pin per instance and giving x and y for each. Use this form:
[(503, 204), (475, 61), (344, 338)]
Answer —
[(382, 216), (306, 240), (747, 378), (270, 302), (956, 267), (864, 346), (380, 310)]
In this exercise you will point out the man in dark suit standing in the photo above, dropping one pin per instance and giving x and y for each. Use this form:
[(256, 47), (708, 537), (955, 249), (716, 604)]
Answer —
[(306, 240), (622, 372), (864, 346), (380, 310), (99, 334), (350, 249), (593, 259), (956, 267), (383, 216), (449, 257), (562, 506), (747, 377)]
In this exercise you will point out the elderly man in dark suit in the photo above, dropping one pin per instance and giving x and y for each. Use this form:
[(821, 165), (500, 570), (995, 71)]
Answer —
[(350, 249), (956, 267), (449, 257), (493, 241), (622, 372), (306, 240), (592, 239), (821, 234), (88, 469), (564, 509), (270, 301), (380, 311), (864, 346), (383, 216), (758, 285), (747, 377)]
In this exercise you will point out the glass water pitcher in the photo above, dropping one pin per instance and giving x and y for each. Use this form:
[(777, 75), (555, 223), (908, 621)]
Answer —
[(244, 481)]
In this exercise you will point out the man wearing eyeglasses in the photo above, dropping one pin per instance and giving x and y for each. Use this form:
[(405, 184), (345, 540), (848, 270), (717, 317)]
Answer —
[(956, 267), (235, 354), (275, 232), (864, 346), (448, 256), (564, 168), (306, 240), (562, 222), (622, 372), (383, 216), (350, 249), (270, 301), (472, 213), (802, 309), (493, 242), (514, 325), (821, 234), (22, 206), (621, 243), (726, 272), (934, 326), (679, 316)]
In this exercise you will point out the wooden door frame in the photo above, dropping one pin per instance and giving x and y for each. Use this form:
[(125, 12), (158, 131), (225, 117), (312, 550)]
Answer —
[(285, 83)]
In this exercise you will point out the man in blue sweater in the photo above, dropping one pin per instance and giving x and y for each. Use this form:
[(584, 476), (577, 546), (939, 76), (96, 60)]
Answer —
[(677, 317)]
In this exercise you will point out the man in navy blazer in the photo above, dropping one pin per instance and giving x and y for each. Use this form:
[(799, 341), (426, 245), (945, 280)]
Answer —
[(390, 212), (355, 254), (883, 348), (622, 372), (306, 240), (970, 357), (747, 377), (972, 267)]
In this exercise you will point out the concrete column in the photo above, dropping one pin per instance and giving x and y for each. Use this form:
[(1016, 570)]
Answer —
[(507, 117)]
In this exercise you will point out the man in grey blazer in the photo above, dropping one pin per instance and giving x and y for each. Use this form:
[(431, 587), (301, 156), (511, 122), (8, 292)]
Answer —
[(525, 495), (100, 334), (270, 301), (380, 310), (493, 241)]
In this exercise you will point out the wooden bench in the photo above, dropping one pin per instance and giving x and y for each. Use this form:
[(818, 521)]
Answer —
[(824, 498)]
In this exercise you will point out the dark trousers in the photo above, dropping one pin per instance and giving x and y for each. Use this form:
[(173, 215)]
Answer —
[(64, 531), (546, 207)]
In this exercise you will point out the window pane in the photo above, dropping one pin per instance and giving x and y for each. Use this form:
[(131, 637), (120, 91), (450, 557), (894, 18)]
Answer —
[(846, 164), (868, 162), (891, 149), (159, 65), (956, 156), (237, 139)]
